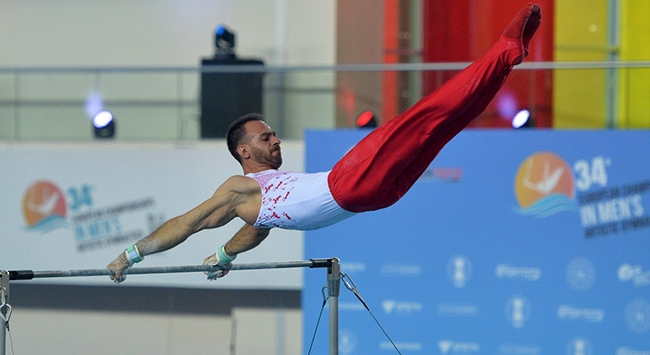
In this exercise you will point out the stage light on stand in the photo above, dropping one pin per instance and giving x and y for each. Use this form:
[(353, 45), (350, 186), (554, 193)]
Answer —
[(224, 42), (104, 125), (366, 119), (523, 119)]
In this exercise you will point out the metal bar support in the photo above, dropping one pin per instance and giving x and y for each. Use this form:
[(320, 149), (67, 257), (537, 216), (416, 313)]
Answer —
[(4, 310), (334, 287)]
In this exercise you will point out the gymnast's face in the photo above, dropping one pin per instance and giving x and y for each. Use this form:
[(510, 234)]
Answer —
[(264, 145)]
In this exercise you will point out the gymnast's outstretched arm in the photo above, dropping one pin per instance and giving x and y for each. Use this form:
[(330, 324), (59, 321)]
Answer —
[(237, 197)]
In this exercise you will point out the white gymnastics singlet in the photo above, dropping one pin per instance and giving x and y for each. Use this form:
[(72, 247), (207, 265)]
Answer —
[(292, 200)]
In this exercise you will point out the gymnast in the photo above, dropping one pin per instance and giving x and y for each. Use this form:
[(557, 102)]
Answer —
[(374, 174)]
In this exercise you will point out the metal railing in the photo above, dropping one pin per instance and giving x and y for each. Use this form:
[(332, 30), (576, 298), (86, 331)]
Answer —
[(163, 103)]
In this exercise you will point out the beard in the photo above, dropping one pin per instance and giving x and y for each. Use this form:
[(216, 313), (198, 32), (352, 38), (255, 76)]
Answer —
[(272, 158)]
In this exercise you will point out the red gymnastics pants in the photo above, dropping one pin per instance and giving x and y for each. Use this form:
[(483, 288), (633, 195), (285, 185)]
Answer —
[(383, 166)]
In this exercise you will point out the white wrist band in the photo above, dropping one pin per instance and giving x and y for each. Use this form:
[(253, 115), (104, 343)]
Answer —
[(133, 255)]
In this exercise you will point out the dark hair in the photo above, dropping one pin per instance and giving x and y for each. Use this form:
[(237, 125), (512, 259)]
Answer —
[(237, 133)]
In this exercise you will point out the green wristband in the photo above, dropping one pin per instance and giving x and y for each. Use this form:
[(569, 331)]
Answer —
[(133, 255), (223, 257)]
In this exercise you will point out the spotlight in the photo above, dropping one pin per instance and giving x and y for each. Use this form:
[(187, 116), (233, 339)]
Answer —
[(224, 41), (104, 125), (523, 119), (366, 119)]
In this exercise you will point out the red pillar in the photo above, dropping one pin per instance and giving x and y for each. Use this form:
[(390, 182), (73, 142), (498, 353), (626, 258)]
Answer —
[(461, 31), (390, 80)]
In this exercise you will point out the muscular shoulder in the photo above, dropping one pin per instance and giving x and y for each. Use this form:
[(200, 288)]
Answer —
[(245, 196), (241, 184)]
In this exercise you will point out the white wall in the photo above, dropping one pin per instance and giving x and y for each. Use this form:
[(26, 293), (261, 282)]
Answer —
[(156, 33), (97, 33), (260, 332)]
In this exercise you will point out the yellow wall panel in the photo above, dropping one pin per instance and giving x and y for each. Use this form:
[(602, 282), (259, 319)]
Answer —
[(634, 84), (579, 96)]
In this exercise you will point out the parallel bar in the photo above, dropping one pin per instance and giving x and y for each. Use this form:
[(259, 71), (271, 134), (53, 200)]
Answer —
[(28, 274)]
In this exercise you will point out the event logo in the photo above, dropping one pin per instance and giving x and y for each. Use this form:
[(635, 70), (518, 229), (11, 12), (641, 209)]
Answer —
[(459, 270), (544, 186), (518, 311), (581, 274), (44, 207), (579, 346)]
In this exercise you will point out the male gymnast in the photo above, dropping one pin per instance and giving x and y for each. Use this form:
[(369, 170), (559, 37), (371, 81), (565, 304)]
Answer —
[(374, 174)]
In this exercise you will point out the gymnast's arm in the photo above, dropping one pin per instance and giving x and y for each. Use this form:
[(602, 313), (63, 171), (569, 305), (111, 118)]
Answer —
[(247, 238), (237, 197)]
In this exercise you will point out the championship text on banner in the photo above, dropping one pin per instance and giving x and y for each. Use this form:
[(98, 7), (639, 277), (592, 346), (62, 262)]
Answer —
[(512, 242), (77, 206)]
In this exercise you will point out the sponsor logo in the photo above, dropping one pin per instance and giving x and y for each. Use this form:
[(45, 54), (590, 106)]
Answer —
[(44, 207), (634, 273), (517, 272), (518, 311), (544, 186), (453, 347), (347, 341), (637, 316), (511, 349), (631, 351), (580, 274), (353, 267), (401, 345), (351, 306), (401, 270), (574, 313), (450, 309), (397, 307), (442, 174), (579, 346), (459, 270)]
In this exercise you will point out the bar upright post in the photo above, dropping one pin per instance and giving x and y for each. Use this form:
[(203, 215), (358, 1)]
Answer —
[(4, 310), (333, 286)]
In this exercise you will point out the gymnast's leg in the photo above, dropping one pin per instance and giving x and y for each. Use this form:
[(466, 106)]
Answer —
[(383, 166)]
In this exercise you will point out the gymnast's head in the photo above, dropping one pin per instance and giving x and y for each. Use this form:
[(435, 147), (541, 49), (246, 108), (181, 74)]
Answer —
[(253, 143)]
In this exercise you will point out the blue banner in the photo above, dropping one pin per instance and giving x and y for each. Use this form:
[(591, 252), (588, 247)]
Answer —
[(512, 242)]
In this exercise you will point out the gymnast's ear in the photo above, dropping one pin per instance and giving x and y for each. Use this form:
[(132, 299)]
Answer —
[(244, 151)]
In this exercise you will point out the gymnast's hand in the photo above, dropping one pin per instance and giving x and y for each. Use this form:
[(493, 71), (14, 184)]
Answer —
[(214, 261), (117, 266)]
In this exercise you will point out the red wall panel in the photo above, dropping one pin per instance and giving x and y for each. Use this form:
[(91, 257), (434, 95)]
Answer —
[(462, 30)]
